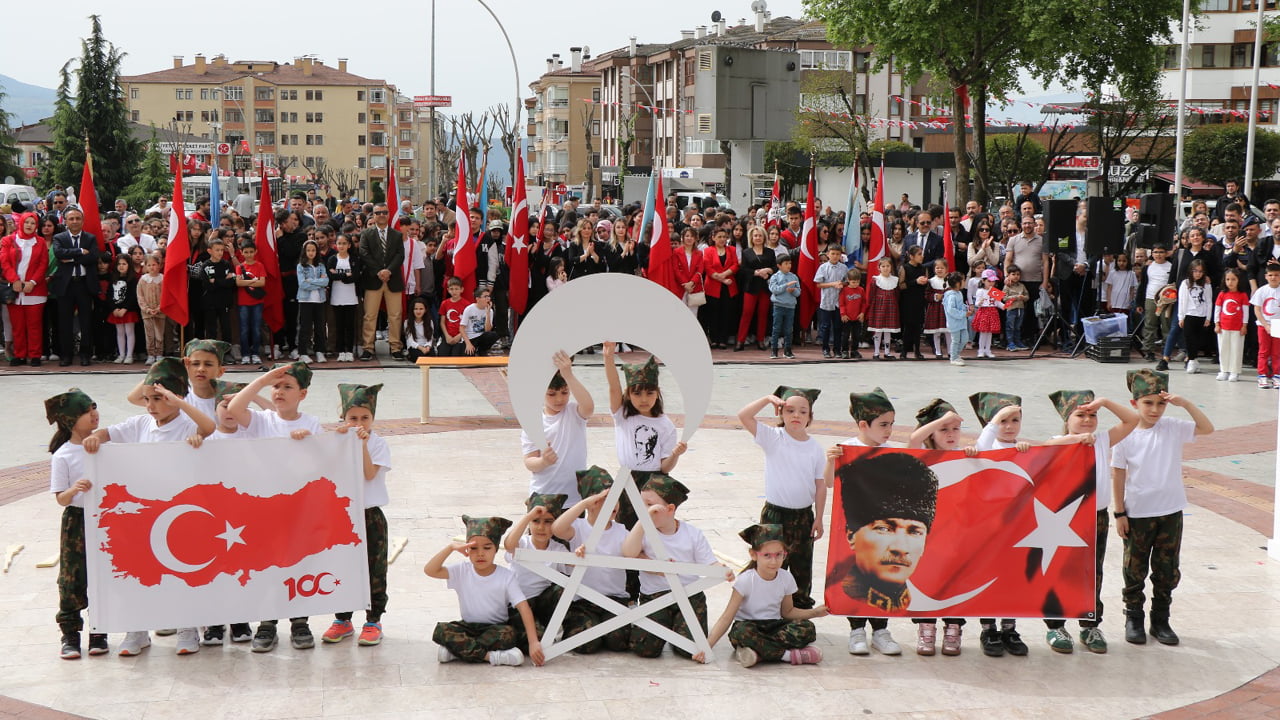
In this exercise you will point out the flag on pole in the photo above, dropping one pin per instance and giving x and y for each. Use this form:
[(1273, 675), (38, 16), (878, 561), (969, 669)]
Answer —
[(775, 201), (89, 201), (879, 244), (661, 260), (852, 239), (265, 240), (517, 250), (482, 192), (646, 219), (464, 251), (215, 196), (948, 247), (808, 260), (177, 255), (393, 195)]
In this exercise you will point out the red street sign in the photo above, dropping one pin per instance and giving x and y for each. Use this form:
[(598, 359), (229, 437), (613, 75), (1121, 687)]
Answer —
[(223, 148), (1077, 162), (30, 172), (562, 188), (430, 101)]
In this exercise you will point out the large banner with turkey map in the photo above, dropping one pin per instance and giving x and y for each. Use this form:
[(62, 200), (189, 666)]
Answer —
[(928, 533), (235, 531)]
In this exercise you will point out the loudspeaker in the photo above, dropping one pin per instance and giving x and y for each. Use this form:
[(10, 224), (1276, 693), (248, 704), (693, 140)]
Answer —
[(1060, 226), (1157, 209), (1146, 235), (1104, 234)]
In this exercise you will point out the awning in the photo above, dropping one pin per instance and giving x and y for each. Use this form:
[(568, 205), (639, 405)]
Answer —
[(1190, 183)]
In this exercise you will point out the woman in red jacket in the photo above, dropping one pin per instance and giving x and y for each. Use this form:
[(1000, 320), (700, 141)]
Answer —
[(720, 265), (24, 262), (688, 267)]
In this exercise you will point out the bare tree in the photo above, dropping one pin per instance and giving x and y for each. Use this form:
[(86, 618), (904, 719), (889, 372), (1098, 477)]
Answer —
[(344, 179), (508, 134), (474, 134), (448, 150)]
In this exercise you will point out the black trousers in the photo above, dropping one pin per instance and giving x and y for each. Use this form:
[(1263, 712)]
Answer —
[(76, 306)]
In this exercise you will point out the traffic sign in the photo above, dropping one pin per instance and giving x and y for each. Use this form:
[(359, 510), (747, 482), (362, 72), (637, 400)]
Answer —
[(224, 148), (430, 101)]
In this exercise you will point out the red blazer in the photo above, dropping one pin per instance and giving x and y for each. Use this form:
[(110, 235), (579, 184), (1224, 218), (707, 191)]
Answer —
[(711, 264), (37, 269), (687, 270)]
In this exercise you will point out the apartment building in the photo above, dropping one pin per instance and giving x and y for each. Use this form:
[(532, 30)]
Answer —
[(564, 126)]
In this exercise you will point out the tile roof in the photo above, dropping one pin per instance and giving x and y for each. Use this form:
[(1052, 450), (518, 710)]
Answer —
[(272, 72)]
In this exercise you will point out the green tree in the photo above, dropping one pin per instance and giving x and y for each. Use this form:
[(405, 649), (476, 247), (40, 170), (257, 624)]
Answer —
[(1012, 158), (9, 162), (376, 193), (1215, 153), (63, 164), (153, 178)]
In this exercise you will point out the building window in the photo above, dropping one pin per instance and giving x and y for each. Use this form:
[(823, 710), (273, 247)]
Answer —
[(264, 116), (406, 172), (319, 117), (216, 94), (1242, 55), (377, 118), (558, 96), (377, 95), (360, 164), (360, 118), (378, 162), (284, 139), (1217, 6), (264, 93), (36, 157), (204, 93), (1172, 55), (315, 139), (825, 59), (406, 153), (861, 62), (378, 139), (234, 92), (1206, 56), (184, 116), (209, 116), (264, 138), (406, 135), (595, 94), (360, 140), (311, 117), (359, 96), (177, 93), (406, 116), (133, 115), (288, 94), (133, 93), (595, 128), (234, 116), (312, 94), (1270, 57)]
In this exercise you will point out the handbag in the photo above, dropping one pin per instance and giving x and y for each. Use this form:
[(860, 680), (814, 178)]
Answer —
[(695, 299), (7, 294)]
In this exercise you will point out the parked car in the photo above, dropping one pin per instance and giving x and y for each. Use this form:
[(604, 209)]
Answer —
[(25, 194)]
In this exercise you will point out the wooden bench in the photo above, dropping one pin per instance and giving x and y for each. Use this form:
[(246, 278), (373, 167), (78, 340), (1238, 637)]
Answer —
[(426, 363)]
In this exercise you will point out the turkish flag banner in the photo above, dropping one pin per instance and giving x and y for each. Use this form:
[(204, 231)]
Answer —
[(249, 529), (929, 533)]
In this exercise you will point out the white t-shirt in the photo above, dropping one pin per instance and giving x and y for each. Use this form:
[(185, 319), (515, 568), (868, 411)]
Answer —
[(762, 599), (143, 429), (531, 583), (484, 598), (1267, 300), (342, 293), (1157, 277), (567, 435), (791, 467), (269, 424), (473, 320), (1120, 287), (610, 581), (375, 490), (66, 467), (415, 252), (686, 544), (643, 442), (1152, 459), (208, 407), (1101, 467), (987, 439)]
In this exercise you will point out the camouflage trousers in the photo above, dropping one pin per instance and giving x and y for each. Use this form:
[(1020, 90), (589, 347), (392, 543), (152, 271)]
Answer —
[(797, 535), (1153, 545), (584, 615), (543, 605), (470, 642), (1099, 552), (376, 544), (646, 644), (771, 638), (73, 581)]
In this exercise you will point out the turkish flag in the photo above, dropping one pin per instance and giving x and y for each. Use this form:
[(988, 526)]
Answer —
[(89, 204), (774, 218), (264, 239), (517, 250), (661, 259), (948, 243), (177, 254), (879, 244), (808, 261), (393, 195), (464, 247), (1013, 536), (209, 530)]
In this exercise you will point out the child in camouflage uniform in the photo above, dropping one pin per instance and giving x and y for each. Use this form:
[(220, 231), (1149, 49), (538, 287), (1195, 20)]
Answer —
[(359, 404), (485, 591), (76, 417), (541, 594), (593, 486), (1146, 482), (766, 624)]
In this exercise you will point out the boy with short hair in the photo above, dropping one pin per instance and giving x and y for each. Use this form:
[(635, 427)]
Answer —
[(1266, 301), (1015, 303), (251, 279), (451, 311), (566, 407), (829, 279), (477, 325), (204, 361), (1148, 497), (217, 279), (853, 312), (485, 592), (784, 288)]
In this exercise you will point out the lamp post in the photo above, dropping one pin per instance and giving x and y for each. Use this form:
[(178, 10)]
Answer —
[(652, 105)]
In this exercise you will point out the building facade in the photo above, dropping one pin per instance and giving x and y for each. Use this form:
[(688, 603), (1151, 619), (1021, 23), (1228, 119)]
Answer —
[(564, 125)]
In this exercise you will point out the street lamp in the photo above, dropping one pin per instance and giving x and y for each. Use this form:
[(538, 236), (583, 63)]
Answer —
[(652, 105)]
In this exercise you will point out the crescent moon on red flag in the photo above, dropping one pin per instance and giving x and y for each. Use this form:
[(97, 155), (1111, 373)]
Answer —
[(1231, 307), (160, 539), (954, 472)]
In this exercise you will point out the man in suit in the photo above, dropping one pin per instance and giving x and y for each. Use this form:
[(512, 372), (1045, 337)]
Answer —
[(1073, 272), (75, 284), (382, 254), (925, 237)]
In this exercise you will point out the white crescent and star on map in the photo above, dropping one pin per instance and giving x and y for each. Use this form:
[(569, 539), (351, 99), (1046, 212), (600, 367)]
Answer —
[(160, 538)]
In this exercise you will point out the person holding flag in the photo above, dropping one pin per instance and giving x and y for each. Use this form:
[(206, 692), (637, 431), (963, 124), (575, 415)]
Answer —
[(382, 254)]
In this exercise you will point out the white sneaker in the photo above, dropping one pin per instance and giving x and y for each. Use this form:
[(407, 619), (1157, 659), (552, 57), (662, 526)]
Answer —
[(884, 643), (958, 362), (188, 641), (1193, 367), (293, 354), (246, 360), (511, 657), (1233, 377), (305, 358), (257, 360), (443, 655), (1222, 376), (858, 642), (135, 642), (319, 357), (350, 357)]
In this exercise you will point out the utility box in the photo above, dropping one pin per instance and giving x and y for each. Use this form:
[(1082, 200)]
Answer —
[(744, 93)]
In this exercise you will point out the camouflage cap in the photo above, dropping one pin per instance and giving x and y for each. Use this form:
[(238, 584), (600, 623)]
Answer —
[(490, 527), (869, 406), (170, 373), (935, 410), (65, 408), (645, 373), (353, 395), (1146, 381), (222, 389), (593, 480), (300, 372), (887, 485), (553, 503), (987, 404), (757, 535), (667, 488), (217, 347), (1066, 401), (785, 391)]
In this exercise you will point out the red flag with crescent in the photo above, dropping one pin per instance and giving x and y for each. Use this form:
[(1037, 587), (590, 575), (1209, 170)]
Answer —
[(517, 250)]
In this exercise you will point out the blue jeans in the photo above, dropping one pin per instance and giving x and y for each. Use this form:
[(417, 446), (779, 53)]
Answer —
[(958, 339), (829, 329), (250, 329), (783, 319), (1013, 327)]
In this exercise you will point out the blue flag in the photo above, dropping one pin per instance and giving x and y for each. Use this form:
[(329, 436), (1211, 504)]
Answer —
[(647, 218), (484, 206), (215, 196), (852, 239)]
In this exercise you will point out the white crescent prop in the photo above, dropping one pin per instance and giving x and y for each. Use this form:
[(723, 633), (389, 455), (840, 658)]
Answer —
[(160, 539), (954, 472), (608, 306)]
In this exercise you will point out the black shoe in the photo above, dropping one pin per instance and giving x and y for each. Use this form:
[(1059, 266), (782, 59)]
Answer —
[(856, 355), (1162, 365), (214, 635), (300, 636), (64, 362), (1161, 631), (241, 632), (85, 361), (15, 362), (761, 346), (98, 644), (789, 355), (366, 356), (739, 347), (265, 639), (70, 646), (1013, 642), (992, 644), (919, 355), (826, 353), (398, 354), (34, 362), (1133, 630)]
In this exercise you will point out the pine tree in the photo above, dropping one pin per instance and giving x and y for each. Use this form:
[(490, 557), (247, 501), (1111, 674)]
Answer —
[(63, 164), (152, 179), (104, 116), (10, 164)]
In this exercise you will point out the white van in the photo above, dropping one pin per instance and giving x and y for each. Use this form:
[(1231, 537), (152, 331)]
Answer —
[(24, 194)]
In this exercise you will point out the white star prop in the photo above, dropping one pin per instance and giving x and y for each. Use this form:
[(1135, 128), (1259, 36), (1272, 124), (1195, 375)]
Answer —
[(232, 535), (1053, 531), (709, 576)]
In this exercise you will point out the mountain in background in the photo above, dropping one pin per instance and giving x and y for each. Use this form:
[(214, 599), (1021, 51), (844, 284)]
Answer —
[(27, 103)]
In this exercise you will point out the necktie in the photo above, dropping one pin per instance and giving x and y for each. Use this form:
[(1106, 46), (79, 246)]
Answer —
[(75, 239)]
